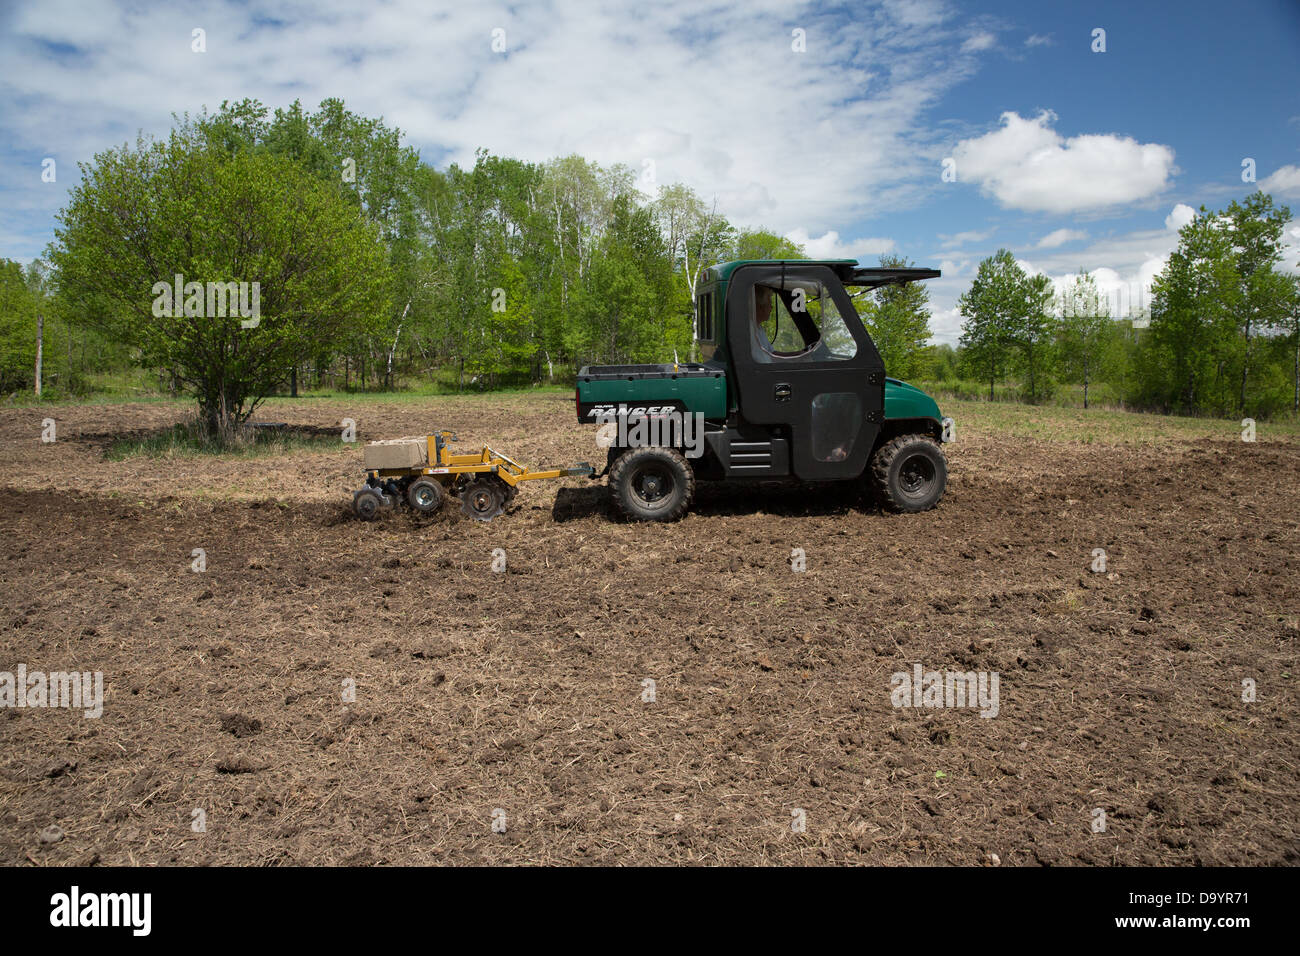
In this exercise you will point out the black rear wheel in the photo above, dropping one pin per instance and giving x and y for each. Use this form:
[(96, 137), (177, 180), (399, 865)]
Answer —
[(652, 484), (909, 473)]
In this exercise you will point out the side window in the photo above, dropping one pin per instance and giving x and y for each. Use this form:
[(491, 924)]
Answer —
[(704, 317), (836, 420), (797, 320)]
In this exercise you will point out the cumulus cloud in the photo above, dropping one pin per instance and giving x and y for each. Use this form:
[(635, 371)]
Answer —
[(1179, 216), (1027, 165), (1123, 267), (945, 326), (1125, 293), (1060, 237), (830, 246), (1284, 182), (1291, 248)]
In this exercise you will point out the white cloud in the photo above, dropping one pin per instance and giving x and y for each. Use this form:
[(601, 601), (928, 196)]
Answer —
[(961, 238), (1284, 182), (1060, 237), (1123, 292), (945, 326), (979, 42), (1123, 266), (1038, 39), (1179, 216), (1291, 248), (1028, 165), (707, 93), (830, 246), (916, 13)]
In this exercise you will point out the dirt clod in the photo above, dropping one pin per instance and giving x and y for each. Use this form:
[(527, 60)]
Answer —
[(238, 764), (240, 725)]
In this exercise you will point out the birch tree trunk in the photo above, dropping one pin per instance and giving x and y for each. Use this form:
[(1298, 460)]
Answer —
[(40, 350)]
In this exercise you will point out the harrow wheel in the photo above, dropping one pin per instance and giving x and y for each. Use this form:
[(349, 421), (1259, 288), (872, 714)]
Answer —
[(425, 496), (483, 499), (366, 503)]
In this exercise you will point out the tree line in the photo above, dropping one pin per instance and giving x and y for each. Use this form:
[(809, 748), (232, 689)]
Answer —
[(376, 271), (1221, 335)]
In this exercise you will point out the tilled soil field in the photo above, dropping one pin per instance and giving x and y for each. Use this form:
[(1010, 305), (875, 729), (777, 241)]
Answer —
[(642, 694)]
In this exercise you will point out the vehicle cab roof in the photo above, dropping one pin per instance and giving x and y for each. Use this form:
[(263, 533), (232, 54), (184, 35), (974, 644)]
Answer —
[(847, 270)]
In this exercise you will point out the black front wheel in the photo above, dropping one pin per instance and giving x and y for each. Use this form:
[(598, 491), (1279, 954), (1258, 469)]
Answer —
[(909, 473), (652, 484)]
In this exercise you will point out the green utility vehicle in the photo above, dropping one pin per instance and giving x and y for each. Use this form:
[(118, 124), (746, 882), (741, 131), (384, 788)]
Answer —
[(790, 387)]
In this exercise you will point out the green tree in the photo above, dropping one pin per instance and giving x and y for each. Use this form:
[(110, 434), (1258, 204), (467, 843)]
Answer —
[(898, 318), (1195, 301), (450, 240), (1291, 338), (695, 237), (1256, 226), (18, 308), (1034, 336), (506, 340), (945, 362), (495, 237), (142, 216), (1218, 310), (619, 315), (762, 244), (614, 311), (1086, 336), (365, 161), (993, 309)]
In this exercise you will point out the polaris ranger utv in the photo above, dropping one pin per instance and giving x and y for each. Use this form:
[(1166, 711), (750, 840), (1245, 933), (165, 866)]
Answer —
[(790, 387)]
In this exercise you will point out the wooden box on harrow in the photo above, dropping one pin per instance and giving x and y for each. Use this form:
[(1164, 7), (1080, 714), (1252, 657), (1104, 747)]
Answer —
[(397, 453)]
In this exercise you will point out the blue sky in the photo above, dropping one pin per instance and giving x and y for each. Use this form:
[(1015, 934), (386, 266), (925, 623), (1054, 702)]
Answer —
[(1071, 158)]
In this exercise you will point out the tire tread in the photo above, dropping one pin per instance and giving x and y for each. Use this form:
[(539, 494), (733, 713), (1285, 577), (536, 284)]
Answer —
[(883, 460), (628, 459)]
